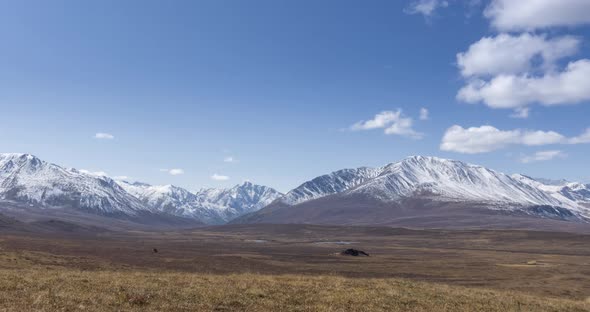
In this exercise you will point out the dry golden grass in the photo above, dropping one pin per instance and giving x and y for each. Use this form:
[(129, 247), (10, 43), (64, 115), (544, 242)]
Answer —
[(70, 290), (226, 270)]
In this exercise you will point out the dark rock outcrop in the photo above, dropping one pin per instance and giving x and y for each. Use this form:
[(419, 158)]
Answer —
[(354, 253)]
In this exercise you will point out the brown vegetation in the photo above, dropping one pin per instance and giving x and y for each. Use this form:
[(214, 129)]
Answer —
[(295, 268), (71, 290)]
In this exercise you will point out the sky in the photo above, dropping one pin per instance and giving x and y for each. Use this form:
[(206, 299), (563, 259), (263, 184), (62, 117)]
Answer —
[(211, 93)]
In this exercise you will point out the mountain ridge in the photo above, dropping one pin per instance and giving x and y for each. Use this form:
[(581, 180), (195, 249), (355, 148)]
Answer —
[(213, 206), (444, 181), (28, 179), (453, 185)]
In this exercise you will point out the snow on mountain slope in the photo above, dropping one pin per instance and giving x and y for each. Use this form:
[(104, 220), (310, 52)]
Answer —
[(211, 206), (577, 192), (432, 177), (26, 178), (571, 194), (173, 200), (451, 179), (240, 199), (333, 183)]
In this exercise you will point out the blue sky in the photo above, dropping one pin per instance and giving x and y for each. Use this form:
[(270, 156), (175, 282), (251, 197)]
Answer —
[(285, 88)]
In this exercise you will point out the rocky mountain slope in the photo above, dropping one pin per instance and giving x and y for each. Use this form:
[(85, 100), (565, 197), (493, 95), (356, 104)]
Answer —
[(212, 206), (27, 179), (417, 191), (431, 181)]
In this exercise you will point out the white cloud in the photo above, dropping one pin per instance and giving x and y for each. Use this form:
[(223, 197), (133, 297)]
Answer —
[(394, 123), (380, 120), (537, 138), (521, 112), (424, 114), (518, 15), (104, 136), (229, 159), (173, 172), (508, 54), (581, 139), (510, 71), (94, 173), (543, 156), (426, 7), (121, 178), (485, 139), (176, 171), (218, 177), (477, 139), (571, 86)]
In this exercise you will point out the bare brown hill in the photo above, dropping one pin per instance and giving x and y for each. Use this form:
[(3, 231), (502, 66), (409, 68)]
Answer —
[(411, 212)]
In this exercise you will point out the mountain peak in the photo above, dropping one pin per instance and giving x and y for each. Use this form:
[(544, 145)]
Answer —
[(432, 159), (18, 156), (433, 177), (246, 184), (26, 178)]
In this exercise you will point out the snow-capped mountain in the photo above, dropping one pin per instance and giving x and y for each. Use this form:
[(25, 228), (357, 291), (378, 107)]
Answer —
[(569, 194), (442, 180), (26, 178), (417, 191), (333, 183), (238, 200), (213, 206), (172, 200)]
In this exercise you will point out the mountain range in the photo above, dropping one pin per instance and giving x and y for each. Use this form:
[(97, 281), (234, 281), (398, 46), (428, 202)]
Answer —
[(417, 191), (211, 206), (49, 188)]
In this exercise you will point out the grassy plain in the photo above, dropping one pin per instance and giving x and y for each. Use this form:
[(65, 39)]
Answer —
[(295, 268)]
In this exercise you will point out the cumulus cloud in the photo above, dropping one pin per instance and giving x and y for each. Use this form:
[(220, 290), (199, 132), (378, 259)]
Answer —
[(537, 138), (477, 139), (515, 15), (509, 71), (174, 172), (380, 120), (219, 177), (394, 123), (426, 7), (515, 72), (570, 86), (581, 139), (486, 139), (104, 136), (229, 159), (424, 113), (508, 54), (543, 156)]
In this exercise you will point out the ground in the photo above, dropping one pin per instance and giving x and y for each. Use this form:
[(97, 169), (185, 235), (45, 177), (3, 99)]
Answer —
[(295, 268)]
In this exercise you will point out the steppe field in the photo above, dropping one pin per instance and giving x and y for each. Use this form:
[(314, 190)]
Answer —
[(294, 268)]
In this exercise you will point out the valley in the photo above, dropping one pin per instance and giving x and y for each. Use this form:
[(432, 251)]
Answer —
[(295, 156), (527, 269), (439, 234)]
